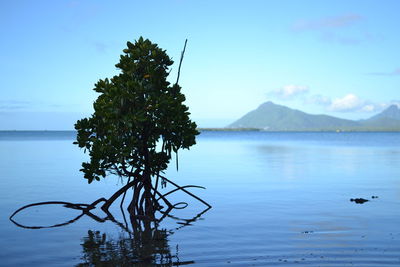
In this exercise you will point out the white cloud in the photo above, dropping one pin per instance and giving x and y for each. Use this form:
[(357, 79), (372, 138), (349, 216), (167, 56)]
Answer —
[(376, 107), (369, 108), (289, 91), (397, 103), (349, 102), (386, 105)]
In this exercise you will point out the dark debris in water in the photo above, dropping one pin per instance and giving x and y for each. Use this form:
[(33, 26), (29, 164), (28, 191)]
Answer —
[(362, 200), (359, 200)]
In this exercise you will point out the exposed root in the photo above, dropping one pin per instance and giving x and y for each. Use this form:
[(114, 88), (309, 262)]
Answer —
[(180, 188), (142, 207), (187, 192)]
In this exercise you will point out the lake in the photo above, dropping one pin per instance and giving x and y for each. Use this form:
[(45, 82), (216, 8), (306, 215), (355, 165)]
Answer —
[(279, 199)]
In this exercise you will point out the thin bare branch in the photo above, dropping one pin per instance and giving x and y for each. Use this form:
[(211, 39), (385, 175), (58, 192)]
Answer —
[(180, 62)]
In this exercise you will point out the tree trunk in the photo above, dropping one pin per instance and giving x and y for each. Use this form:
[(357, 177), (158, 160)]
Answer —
[(148, 202)]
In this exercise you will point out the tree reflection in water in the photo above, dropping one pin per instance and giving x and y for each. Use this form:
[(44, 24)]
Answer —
[(140, 242), (143, 245), (143, 248)]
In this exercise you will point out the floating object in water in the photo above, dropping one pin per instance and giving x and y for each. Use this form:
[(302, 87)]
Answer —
[(359, 200)]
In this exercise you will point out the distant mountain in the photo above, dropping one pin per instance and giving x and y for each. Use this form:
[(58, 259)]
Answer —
[(388, 119), (392, 112), (273, 117)]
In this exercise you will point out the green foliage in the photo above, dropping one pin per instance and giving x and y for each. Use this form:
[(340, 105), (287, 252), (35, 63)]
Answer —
[(139, 118)]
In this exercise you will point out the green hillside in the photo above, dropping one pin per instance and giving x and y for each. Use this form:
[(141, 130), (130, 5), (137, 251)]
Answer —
[(273, 117)]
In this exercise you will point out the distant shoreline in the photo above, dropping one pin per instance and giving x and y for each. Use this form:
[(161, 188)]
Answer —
[(295, 131), (237, 130), (39, 131)]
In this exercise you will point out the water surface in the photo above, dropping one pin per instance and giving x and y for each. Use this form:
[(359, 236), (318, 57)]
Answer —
[(278, 199)]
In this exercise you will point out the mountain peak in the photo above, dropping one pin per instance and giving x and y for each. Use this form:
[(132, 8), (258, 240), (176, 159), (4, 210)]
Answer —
[(273, 117), (392, 112), (393, 107), (268, 103)]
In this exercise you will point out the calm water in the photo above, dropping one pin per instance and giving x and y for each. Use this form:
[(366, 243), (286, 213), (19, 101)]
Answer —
[(279, 199)]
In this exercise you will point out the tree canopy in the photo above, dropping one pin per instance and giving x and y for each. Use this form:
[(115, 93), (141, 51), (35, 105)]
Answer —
[(139, 118)]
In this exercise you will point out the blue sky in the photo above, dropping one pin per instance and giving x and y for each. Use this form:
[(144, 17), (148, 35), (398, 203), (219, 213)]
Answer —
[(333, 57)]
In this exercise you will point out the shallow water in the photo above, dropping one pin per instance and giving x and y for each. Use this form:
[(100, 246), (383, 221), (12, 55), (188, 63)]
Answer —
[(278, 199)]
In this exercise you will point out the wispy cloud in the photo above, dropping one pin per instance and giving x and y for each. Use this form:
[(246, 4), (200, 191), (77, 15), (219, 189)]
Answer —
[(100, 47), (289, 91), (319, 100), (335, 29), (22, 105), (327, 23), (390, 73), (14, 105), (333, 37), (79, 13)]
